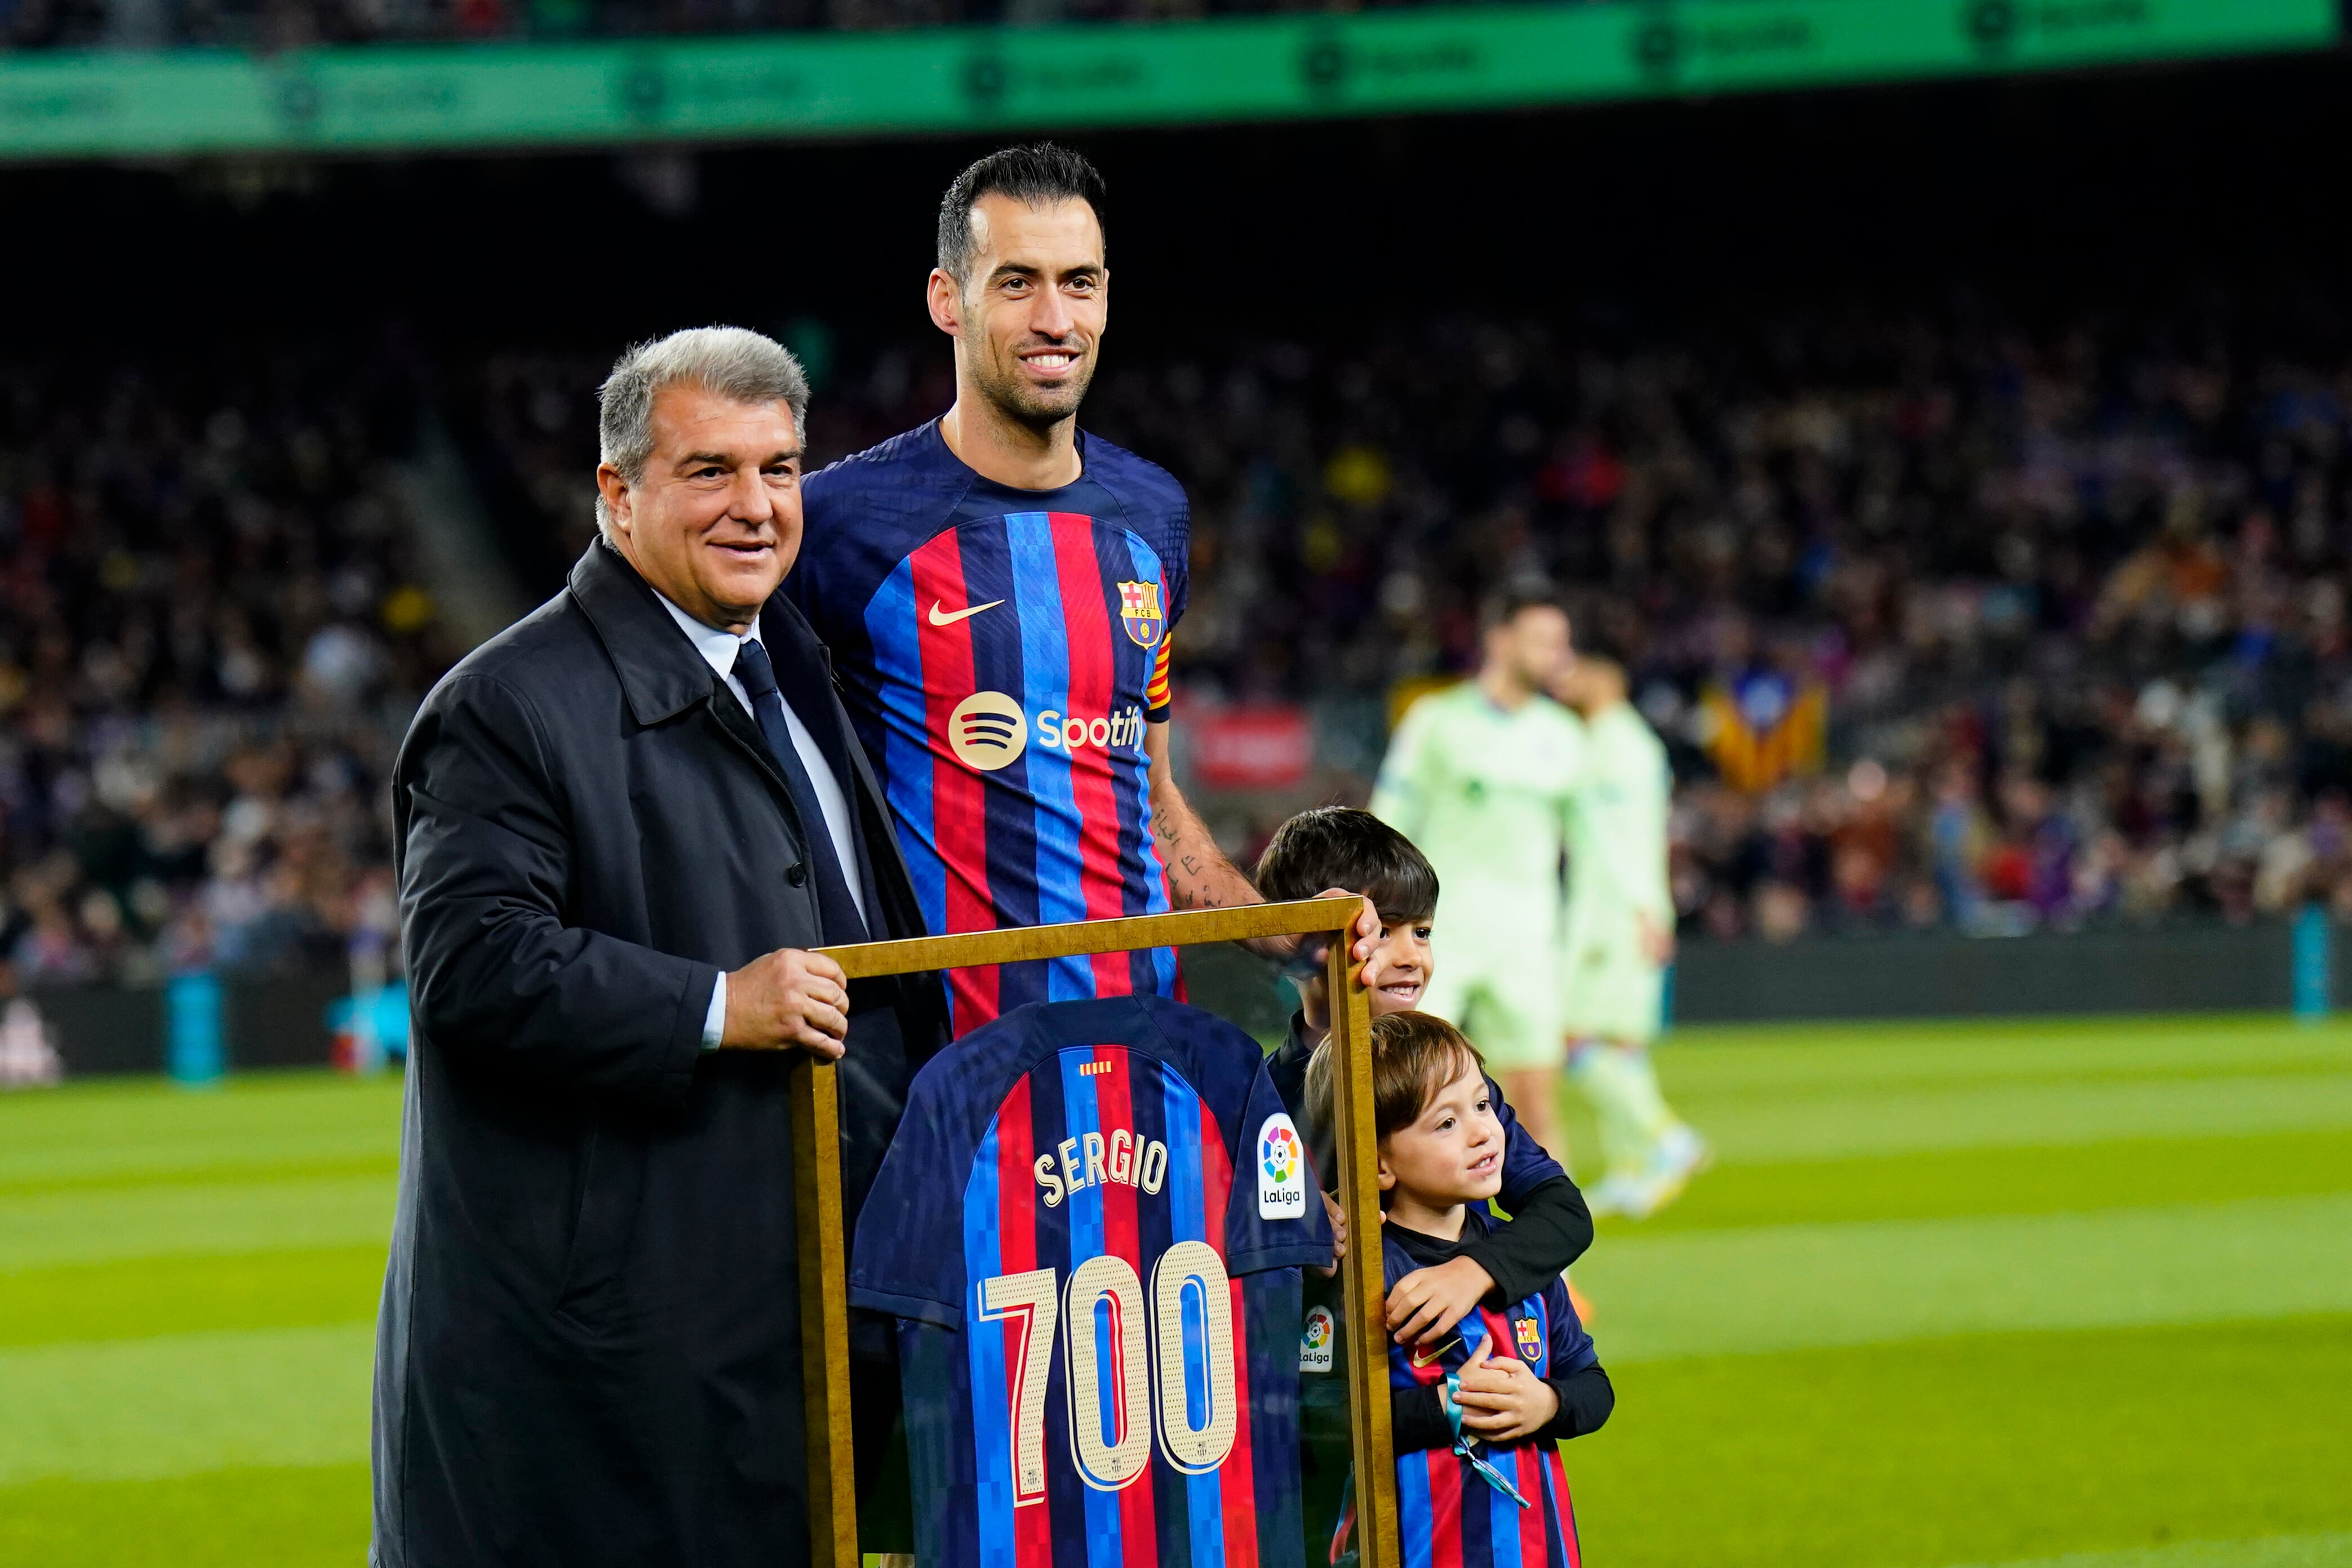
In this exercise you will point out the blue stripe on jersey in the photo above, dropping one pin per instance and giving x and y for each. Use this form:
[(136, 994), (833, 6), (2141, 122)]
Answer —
[(1140, 856), (1416, 1515), (1203, 1494), (1081, 1114), (993, 1489), (1045, 668), (892, 625)]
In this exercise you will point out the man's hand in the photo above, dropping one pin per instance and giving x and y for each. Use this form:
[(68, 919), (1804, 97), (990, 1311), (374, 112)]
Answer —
[(788, 1000), (1501, 1400), (1367, 934), (1427, 1302)]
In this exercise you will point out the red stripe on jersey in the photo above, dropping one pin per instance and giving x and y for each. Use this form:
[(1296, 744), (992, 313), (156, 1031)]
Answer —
[(1017, 1251), (1114, 1108), (1563, 1509), (1237, 1479), (1094, 689), (959, 796), (1445, 1507), (1533, 1518)]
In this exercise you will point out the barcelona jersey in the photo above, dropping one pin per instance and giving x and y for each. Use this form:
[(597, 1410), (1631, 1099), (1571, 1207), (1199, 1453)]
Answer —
[(1090, 1227), (1447, 1515), (1000, 652)]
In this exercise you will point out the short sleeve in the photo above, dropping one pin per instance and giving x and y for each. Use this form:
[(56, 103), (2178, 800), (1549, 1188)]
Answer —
[(908, 1259), (1273, 1216)]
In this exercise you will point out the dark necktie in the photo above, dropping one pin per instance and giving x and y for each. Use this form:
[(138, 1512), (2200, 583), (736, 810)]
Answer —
[(834, 907)]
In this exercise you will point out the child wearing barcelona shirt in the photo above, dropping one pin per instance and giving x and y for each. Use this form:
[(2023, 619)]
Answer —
[(1476, 1419)]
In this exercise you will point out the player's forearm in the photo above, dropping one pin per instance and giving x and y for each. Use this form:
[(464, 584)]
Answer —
[(1586, 1399), (1198, 874)]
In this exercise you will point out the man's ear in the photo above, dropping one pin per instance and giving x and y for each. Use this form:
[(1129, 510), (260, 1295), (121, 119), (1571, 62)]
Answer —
[(615, 491), (945, 297)]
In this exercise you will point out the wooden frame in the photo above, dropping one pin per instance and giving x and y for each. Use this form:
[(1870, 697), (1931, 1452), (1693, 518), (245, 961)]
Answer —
[(824, 1248)]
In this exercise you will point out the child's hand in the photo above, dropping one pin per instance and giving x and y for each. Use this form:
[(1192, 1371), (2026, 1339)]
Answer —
[(1428, 1302), (1339, 1235), (1501, 1400)]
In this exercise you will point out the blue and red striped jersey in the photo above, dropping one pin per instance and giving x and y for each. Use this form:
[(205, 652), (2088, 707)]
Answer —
[(1090, 1227), (1000, 652), (1447, 1515)]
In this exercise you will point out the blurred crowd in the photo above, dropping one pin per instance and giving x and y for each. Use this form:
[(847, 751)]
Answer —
[(295, 24), (1952, 623), (212, 635)]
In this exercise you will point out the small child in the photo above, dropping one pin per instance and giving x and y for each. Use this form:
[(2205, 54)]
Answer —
[(1477, 1419), (1338, 846)]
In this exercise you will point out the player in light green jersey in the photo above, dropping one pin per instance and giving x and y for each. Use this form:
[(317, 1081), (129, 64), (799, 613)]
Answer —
[(1478, 776), (1619, 939)]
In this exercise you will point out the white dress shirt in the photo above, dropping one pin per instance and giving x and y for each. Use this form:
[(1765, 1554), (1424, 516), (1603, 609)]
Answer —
[(719, 648)]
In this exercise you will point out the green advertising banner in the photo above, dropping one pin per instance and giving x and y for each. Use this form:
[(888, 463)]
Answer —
[(387, 96)]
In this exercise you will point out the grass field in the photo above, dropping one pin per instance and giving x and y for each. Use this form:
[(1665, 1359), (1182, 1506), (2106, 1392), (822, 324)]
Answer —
[(2073, 1294)]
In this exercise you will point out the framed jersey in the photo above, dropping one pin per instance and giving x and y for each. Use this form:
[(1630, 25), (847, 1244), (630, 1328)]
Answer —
[(1097, 1228)]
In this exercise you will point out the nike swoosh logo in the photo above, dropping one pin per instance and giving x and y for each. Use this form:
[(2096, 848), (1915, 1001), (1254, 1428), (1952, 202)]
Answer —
[(952, 616), (1422, 1358)]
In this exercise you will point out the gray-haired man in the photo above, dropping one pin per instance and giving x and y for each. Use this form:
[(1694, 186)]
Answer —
[(622, 824)]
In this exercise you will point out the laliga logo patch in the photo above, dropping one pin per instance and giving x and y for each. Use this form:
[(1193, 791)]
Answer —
[(1281, 1170), (987, 731), (1139, 611), (1314, 1345)]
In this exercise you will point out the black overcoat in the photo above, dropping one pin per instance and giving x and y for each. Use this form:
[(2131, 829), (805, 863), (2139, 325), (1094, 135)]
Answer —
[(589, 1348)]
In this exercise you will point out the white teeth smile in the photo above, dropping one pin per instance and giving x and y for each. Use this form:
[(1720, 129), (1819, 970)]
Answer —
[(1051, 361)]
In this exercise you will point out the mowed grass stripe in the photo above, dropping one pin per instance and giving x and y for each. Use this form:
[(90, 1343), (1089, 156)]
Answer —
[(2330, 1550), (2045, 1179), (291, 1517), (114, 1128), (1792, 1058), (1757, 1127), (144, 1298), (1976, 1449), (1774, 1287), (52, 1230), (177, 1405)]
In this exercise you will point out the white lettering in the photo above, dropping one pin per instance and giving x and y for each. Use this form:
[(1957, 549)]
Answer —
[(1069, 1169), (1049, 727), (1049, 1181), (1122, 1157), (1152, 1170), (1094, 1146)]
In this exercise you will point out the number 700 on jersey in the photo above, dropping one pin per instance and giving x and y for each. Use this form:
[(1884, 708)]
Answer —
[(1121, 1390)]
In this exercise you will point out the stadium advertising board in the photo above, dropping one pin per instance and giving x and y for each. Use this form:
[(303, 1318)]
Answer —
[(380, 98)]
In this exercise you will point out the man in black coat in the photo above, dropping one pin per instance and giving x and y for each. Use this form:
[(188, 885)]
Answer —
[(621, 823)]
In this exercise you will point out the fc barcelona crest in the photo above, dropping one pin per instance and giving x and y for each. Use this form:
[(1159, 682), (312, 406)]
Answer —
[(1139, 607), (1530, 1336)]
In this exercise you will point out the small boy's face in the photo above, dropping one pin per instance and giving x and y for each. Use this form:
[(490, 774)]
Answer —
[(1401, 965), (1453, 1152)]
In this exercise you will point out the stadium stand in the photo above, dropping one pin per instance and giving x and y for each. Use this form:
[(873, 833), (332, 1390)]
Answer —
[(211, 632), (2070, 598)]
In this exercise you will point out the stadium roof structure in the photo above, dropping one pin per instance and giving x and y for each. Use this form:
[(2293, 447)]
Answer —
[(379, 98)]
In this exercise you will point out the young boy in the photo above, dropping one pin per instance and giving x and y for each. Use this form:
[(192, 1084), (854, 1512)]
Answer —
[(1477, 1420), (1338, 846)]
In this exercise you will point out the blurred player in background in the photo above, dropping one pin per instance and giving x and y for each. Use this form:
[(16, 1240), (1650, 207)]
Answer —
[(1620, 938), (1480, 776)]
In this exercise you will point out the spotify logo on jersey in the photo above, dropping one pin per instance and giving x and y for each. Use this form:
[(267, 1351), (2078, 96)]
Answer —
[(987, 731)]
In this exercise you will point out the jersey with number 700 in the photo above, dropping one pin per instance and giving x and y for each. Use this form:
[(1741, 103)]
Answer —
[(1090, 1227)]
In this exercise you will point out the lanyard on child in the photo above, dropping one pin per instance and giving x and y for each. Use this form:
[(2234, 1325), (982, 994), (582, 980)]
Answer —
[(1462, 1442)]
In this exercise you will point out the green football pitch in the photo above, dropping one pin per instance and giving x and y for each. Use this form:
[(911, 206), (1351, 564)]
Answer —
[(2074, 1294)]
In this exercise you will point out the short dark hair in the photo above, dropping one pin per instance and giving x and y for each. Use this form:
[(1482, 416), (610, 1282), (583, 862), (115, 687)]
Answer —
[(1508, 603), (1037, 175), (1413, 1056), (1340, 846)]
